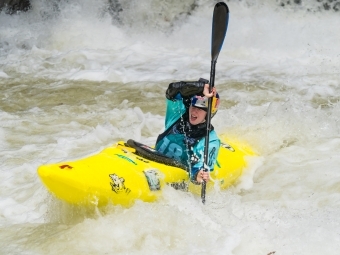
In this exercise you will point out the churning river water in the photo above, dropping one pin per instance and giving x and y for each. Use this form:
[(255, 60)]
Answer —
[(76, 77)]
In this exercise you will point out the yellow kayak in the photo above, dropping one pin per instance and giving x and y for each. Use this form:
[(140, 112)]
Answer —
[(128, 171)]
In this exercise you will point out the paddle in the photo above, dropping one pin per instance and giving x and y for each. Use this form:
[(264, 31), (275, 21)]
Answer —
[(219, 30)]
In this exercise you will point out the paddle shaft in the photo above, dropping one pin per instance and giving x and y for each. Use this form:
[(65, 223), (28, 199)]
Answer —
[(206, 145), (219, 29)]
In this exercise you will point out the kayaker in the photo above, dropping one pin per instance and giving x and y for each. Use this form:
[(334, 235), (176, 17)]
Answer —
[(186, 127)]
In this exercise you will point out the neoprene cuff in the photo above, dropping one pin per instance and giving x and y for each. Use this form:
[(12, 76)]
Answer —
[(186, 89)]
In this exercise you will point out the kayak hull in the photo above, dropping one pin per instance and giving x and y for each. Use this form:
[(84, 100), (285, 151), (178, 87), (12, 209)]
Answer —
[(120, 175)]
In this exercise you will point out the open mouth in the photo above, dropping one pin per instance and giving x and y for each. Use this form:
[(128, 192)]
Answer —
[(193, 117)]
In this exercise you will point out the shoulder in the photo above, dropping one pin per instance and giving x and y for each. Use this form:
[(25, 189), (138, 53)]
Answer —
[(214, 141), (214, 137)]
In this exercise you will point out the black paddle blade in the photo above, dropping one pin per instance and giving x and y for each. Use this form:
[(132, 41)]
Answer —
[(219, 28)]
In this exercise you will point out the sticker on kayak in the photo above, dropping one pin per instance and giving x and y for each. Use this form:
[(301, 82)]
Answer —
[(227, 146), (118, 185), (183, 186), (126, 158), (143, 160), (65, 167), (153, 179)]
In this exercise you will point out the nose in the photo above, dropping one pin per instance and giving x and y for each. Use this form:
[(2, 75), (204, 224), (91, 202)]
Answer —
[(195, 109)]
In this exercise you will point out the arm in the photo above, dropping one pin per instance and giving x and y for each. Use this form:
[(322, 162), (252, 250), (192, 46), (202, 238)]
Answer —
[(196, 171), (178, 98), (174, 110)]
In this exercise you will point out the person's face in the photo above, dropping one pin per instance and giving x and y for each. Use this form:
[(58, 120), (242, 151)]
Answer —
[(196, 115)]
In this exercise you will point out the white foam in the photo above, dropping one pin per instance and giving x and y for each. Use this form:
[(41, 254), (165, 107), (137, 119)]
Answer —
[(75, 82)]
